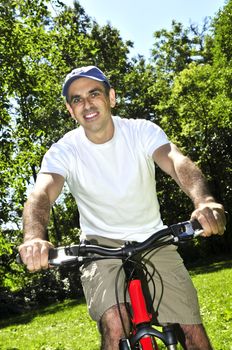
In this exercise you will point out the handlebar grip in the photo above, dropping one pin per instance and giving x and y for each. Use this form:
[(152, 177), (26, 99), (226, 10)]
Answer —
[(196, 225), (52, 255), (56, 257)]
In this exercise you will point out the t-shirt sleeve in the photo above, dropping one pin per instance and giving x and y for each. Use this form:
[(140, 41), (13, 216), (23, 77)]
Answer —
[(152, 137), (57, 160)]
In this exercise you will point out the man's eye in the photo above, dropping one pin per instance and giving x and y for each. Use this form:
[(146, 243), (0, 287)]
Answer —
[(76, 100), (95, 93)]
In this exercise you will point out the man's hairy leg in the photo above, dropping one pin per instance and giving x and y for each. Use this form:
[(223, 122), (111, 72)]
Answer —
[(194, 337), (111, 327)]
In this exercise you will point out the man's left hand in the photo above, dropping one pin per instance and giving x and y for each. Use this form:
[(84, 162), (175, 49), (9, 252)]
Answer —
[(212, 218)]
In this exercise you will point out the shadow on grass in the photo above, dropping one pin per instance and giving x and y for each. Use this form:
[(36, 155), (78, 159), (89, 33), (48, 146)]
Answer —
[(41, 311), (208, 267), (201, 268)]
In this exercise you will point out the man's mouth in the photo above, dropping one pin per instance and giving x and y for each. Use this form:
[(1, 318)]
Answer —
[(91, 116)]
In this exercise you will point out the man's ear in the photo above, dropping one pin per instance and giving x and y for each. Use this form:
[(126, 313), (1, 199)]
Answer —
[(112, 97), (69, 108)]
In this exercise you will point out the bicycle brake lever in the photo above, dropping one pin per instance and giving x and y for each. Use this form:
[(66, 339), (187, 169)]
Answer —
[(188, 230), (59, 257), (198, 229)]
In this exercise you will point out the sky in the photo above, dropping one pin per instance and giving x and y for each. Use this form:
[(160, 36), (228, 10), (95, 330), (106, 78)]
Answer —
[(137, 20)]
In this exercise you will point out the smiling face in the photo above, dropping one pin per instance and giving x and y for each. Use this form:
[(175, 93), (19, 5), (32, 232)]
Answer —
[(90, 105)]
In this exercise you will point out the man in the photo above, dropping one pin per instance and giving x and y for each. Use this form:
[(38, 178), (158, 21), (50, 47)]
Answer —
[(108, 163)]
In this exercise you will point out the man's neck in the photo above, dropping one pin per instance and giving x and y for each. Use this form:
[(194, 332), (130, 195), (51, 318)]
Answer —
[(102, 136)]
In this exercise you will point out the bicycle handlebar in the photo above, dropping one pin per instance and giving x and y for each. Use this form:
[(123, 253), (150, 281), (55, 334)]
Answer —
[(78, 254)]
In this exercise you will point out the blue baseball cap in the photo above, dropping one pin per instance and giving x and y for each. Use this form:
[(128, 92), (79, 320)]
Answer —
[(91, 72)]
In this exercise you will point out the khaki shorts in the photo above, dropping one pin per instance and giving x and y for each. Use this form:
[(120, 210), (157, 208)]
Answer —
[(175, 296)]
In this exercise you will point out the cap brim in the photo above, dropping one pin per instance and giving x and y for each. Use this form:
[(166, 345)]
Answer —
[(71, 80)]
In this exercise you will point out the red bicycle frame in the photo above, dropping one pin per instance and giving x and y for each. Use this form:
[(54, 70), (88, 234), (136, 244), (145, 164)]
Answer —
[(140, 313), (143, 334)]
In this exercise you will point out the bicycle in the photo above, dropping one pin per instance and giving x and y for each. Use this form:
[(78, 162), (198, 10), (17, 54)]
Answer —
[(143, 334)]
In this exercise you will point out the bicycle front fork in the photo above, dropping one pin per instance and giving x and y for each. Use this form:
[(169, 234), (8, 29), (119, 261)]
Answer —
[(147, 342), (144, 334), (144, 339)]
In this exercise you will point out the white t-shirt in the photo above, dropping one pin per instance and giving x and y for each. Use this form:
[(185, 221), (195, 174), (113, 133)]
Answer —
[(113, 183)]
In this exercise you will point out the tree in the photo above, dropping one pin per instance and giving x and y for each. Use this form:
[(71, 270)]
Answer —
[(37, 51), (222, 38), (193, 105), (174, 50)]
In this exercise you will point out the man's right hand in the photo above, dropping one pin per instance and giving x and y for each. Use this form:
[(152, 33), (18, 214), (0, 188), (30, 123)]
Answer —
[(34, 254)]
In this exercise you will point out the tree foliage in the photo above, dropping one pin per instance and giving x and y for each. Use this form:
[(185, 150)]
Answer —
[(37, 50), (223, 32)]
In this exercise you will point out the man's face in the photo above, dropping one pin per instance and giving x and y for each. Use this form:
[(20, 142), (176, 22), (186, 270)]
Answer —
[(90, 106)]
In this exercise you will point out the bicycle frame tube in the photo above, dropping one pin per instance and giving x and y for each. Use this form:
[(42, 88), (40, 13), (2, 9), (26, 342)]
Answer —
[(141, 317), (143, 332)]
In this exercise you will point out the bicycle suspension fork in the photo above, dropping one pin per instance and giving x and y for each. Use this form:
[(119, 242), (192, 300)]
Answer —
[(141, 318), (143, 333)]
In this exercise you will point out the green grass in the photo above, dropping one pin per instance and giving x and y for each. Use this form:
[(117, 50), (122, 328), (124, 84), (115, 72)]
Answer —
[(67, 326), (214, 285), (63, 326)]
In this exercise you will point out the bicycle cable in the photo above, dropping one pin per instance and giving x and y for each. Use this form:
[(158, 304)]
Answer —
[(117, 297), (147, 275), (159, 275)]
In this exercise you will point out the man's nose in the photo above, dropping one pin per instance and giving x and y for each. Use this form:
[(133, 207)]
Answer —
[(87, 102)]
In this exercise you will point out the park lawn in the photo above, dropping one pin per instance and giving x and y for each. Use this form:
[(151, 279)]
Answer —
[(67, 326), (62, 326), (214, 285)]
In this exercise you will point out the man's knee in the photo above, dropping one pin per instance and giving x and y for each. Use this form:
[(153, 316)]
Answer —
[(195, 337), (111, 325)]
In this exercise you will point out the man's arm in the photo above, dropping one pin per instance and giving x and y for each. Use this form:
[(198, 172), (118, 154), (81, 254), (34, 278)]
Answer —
[(34, 250), (189, 177)]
